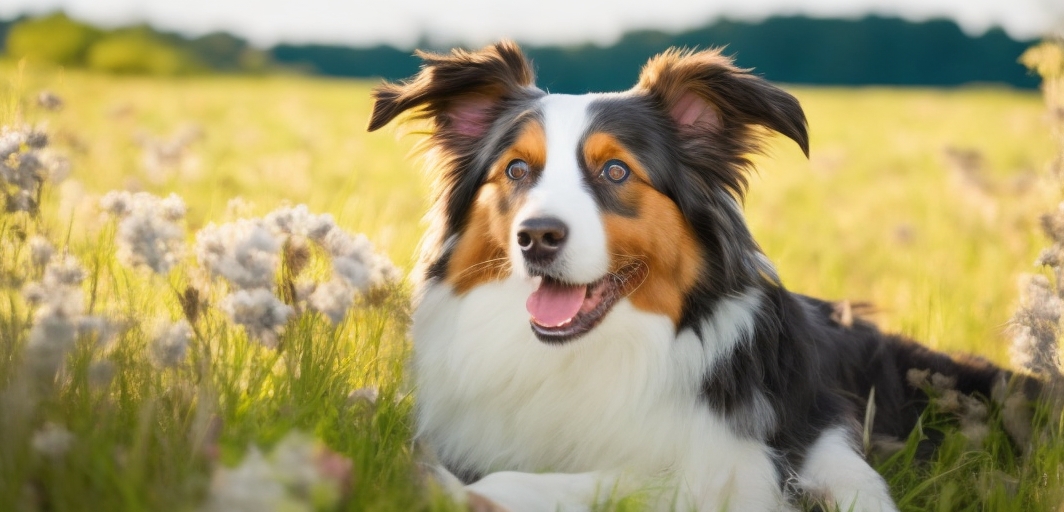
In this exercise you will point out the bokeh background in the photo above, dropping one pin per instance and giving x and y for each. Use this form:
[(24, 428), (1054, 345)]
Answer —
[(156, 154), (578, 46)]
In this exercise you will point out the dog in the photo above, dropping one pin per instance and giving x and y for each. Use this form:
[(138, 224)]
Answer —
[(593, 316)]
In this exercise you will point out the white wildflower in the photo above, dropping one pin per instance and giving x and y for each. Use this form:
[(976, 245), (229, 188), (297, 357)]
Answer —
[(55, 167), (117, 203), (298, 221), (244, 252), (170, 343), (355, 261), (238, 207), (59, 304), (64, 272), (41, 251), (294, 461), (148, 233), (332, 299), (25, 164), (250, 487), (298, 474), (50, 339), (260, 312), (52, 441), (172, 208), (21, 201), (1035, 328), (58, 293)]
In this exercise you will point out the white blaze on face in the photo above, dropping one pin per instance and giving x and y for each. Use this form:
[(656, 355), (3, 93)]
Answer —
[(562, 193)]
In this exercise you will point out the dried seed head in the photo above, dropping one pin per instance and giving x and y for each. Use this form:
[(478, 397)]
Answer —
[(191, 303), (296, 255)]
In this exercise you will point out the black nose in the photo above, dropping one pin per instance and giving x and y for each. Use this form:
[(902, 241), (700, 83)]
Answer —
[(541, 238)]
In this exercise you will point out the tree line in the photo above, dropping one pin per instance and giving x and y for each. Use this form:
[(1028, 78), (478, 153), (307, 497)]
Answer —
[(873, 50)]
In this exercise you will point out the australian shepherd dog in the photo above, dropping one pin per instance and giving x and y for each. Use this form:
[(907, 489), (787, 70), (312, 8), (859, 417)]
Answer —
[(594, 316)]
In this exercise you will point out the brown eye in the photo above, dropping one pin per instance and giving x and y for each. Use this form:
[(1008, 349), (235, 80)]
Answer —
[(517, 170), (616, 171)]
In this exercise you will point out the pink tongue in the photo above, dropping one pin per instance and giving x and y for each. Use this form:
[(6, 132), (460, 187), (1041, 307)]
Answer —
[(553, 304)]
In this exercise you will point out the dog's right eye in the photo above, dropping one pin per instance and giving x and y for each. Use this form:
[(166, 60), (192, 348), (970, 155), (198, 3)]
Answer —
[(517, 170)]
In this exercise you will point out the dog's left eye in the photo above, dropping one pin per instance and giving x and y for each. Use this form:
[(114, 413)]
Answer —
[(615, 171), (517, 170)]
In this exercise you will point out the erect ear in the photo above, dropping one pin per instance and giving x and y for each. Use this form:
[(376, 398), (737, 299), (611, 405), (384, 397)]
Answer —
[(704, 91), (457, 91)]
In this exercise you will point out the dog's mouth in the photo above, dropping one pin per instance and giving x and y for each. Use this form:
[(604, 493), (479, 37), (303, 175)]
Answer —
[(562, 311)]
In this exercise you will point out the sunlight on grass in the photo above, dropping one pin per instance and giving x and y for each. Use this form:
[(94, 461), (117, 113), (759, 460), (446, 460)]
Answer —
[(179, 385)]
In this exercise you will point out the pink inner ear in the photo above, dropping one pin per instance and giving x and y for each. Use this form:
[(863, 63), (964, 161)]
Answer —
[(692, 109), (469, 116)]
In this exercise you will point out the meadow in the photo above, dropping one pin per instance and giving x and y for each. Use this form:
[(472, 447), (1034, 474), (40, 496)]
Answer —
[(923, 202)]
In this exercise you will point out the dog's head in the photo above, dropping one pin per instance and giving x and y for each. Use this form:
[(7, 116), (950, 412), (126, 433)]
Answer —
[(599, 197)]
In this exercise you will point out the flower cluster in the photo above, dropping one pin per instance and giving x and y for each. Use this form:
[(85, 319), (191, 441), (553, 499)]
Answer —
[(149, 234), (298, 474), (59, 317), (260, 312), (245, 253), (248, 252), (357, 267), (25, 164), (1036, 327)]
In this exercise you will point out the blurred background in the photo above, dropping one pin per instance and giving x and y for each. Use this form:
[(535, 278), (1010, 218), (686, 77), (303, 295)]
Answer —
[(577, 47)]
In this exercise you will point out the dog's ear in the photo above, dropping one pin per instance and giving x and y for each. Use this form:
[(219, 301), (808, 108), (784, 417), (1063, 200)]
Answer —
[(459, 91), (704, 91)]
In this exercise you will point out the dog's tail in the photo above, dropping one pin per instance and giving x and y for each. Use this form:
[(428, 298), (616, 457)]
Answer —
[(907, 376)]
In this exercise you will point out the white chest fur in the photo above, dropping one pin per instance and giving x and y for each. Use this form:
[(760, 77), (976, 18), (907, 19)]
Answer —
[(494, 397)]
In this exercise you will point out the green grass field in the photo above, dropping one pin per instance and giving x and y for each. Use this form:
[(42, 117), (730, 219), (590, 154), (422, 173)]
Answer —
[(922, 202)]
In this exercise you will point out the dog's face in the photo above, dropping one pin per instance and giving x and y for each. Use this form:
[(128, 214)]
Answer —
[(595, 198)]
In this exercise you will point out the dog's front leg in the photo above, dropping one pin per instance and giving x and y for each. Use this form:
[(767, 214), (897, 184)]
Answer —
[(530, 492), (835, 471), (546, 492)]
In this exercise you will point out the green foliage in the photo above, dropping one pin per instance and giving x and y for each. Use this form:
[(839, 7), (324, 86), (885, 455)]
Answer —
[(789, 49), (54, 38), (139, 51)]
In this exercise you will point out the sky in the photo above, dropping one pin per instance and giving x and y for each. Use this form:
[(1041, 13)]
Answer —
[(474, 22)]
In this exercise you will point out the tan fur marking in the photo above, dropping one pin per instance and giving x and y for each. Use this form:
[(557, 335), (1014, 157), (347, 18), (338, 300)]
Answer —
[(480, 254), (658, 235)]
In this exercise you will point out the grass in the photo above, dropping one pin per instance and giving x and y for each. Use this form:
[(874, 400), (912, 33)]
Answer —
[(888, 210)]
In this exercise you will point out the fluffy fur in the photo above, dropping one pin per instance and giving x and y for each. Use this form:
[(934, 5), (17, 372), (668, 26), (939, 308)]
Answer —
[(689, 369)]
